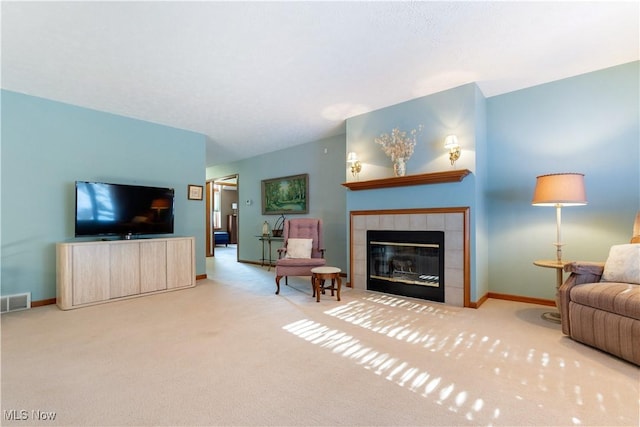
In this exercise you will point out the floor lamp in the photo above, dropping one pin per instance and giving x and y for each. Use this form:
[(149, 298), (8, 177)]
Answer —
[(558, 190)]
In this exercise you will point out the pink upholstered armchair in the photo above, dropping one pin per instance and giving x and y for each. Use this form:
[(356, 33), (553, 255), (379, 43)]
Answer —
[(303, 249)]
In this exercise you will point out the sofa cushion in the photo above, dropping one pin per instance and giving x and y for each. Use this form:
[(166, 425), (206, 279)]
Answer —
[(619, 298), (623, 264)]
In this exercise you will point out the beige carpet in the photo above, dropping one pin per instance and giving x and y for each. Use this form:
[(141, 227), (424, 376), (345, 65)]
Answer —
[(230, 352)]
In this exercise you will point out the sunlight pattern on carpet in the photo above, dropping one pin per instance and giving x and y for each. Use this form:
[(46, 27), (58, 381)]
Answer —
[(391, 368), (420, 324)]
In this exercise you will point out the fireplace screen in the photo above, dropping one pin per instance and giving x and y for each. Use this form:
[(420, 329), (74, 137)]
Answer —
[(408, 263)]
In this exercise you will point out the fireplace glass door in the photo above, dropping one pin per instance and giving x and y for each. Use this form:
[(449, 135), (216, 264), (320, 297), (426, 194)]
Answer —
[(408, 263)]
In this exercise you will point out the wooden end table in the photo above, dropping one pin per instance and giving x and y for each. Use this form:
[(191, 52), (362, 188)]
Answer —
[(559, 266)]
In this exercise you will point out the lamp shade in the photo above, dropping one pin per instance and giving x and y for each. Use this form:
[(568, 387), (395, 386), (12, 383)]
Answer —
[(352, 157), (451, 141), (560, 189)]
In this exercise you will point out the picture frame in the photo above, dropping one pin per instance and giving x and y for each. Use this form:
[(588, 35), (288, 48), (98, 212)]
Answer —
[(285, 195), (195, 192)]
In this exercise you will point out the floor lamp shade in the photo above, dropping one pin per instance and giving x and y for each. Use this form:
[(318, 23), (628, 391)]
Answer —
[(564, 189), (558, 190)]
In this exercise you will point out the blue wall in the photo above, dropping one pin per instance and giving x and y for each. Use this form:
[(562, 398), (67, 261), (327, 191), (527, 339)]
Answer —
[(587, 124), (460, 111), (47, 146), (453, 111), (325, 162)]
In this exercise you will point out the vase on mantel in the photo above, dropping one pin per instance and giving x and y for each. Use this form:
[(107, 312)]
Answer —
[(399, 166)]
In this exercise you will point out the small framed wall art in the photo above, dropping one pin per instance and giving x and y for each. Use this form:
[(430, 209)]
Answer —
[(194, 192)]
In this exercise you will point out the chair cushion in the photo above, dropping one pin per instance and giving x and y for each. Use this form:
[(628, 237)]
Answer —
[(299, 248), (619, 298), (297, 266), (301, 262), (623, 264)]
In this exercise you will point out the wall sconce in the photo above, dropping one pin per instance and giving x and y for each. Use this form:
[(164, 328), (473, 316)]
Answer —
[(234, 207), (356, 166), (451, 144)]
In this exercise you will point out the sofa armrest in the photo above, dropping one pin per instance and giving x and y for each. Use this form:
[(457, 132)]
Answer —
[(581, 272), (586, 269)]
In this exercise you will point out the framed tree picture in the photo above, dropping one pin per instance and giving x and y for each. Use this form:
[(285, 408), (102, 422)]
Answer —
[(286, 195)]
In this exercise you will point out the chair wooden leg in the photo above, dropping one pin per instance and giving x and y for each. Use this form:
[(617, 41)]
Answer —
[(278, 284)]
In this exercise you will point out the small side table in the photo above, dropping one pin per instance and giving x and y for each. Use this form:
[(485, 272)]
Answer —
[(559, 266), (269, 238), (320, 274)]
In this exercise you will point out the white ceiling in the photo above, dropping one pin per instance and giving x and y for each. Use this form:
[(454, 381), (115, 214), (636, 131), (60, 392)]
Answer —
[(255, 77)]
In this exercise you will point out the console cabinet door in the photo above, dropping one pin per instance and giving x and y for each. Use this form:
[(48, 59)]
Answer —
[(153, 266), (179, 263), (125, 270), (91, 273)]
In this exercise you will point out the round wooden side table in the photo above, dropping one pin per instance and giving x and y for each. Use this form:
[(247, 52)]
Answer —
[(553, 316), (320, 274)]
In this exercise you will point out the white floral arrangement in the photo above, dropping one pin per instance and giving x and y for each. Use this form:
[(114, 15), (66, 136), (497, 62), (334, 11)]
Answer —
[(398, 145)]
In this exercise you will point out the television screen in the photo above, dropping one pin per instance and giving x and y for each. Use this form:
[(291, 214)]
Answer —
[(117, 209)]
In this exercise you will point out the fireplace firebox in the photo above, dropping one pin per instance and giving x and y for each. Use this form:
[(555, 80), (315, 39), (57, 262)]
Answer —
[(407, 263)]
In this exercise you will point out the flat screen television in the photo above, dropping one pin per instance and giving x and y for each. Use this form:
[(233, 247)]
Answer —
[(104, 209)]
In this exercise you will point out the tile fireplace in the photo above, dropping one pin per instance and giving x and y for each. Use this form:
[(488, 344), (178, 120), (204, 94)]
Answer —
[(453, 275)]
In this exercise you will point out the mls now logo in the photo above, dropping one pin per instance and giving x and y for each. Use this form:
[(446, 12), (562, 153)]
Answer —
[(16, 415), (23, 415)]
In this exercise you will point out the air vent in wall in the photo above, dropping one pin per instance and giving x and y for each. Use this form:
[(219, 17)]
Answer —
[(15, 302)]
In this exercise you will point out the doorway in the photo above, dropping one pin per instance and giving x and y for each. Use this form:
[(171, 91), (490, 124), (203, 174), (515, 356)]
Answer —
[(222, 215)]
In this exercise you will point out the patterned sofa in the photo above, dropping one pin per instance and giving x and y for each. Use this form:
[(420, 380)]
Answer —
[(600, 302)]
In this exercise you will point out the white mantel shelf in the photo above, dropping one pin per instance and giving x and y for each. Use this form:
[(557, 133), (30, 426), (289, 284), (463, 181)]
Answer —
[(407, 180)]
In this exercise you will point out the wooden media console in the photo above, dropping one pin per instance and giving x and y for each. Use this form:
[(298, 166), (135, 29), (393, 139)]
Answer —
[(97, 272)]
